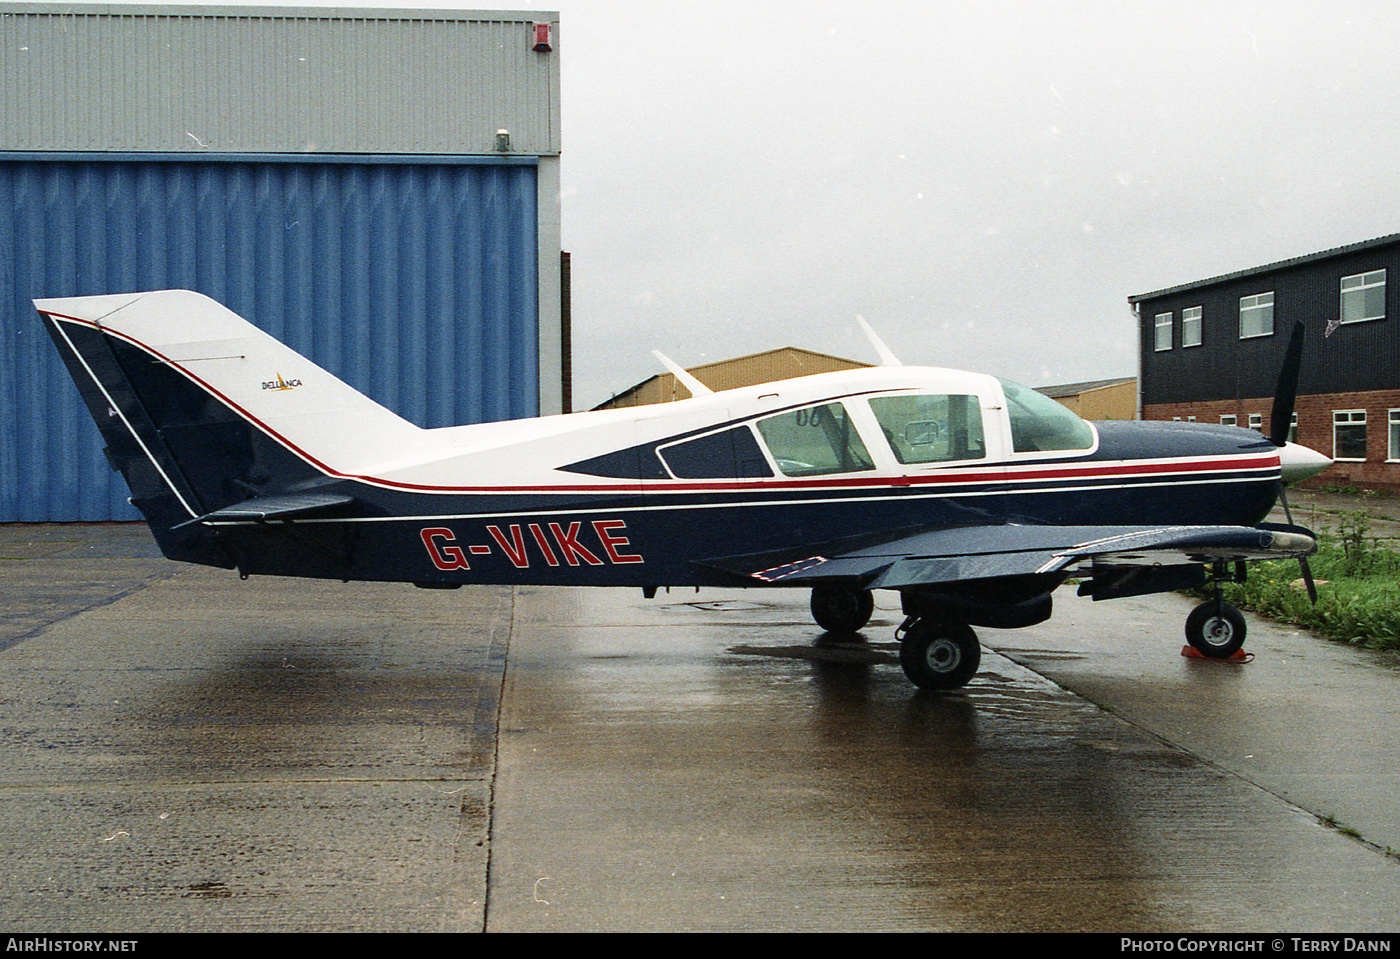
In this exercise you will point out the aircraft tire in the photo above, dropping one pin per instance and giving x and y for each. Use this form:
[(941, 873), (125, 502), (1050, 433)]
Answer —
[(940, 655), (841, 609), (1215, 629)]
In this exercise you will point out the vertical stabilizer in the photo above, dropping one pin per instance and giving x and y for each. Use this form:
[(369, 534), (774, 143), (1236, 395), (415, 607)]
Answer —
[(201, 410)]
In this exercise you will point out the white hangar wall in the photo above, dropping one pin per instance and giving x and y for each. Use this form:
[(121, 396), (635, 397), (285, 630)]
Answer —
[(336, 177)]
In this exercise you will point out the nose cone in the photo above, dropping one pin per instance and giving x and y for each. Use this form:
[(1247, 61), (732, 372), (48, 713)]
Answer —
[(1300, 462)]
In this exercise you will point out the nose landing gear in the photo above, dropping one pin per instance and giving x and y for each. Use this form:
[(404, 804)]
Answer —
[(1215, 628)]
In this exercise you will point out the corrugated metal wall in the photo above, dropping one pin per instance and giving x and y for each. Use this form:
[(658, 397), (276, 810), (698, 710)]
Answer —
[(415, 282), (195, 80), (1356, 357)]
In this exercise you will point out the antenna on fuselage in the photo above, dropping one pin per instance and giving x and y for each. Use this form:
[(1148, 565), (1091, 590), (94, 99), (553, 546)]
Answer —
[(887, 357), (691, 383)]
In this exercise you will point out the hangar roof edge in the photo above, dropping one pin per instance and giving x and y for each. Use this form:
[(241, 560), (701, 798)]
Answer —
[(1269, 267)]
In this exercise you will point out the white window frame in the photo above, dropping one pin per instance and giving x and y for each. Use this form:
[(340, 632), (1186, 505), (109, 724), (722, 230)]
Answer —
[(1255, 304), (1352, 418), (1162, 324), (1256, 421), (1229, 419), (1192, 326), (1361, 282), (1393, 453)]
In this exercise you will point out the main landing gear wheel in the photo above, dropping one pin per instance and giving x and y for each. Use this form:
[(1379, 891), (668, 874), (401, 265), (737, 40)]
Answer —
[(842, 609), (1215, 629), (939, 655)]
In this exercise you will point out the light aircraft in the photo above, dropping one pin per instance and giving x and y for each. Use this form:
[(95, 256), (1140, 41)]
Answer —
[(970, 496)]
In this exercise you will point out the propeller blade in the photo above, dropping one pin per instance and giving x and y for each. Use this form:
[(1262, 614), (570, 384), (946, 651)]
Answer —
[(1308, 581), (1281, 418)]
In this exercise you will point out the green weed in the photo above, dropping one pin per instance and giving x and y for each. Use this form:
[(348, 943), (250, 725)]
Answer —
[(1358, 588)]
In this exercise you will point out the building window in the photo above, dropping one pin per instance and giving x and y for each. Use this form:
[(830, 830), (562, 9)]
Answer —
[(1393, 455), (1363, 297), (1191, 326), (1228, 419), (1293, 429), (1163, 332), (1256, 421), (1349, 435), (1256, 315)]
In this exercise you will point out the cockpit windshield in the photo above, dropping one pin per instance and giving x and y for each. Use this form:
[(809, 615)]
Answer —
[(1040, 425)]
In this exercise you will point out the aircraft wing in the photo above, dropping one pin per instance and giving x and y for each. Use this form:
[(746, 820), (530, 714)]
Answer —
[(981, 552)]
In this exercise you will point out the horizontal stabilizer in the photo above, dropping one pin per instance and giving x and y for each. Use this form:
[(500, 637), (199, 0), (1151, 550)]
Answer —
[(264, 509)]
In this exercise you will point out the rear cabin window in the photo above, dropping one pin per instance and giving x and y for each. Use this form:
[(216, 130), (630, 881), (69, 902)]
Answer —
[(815, 441), (732, 454), (931, 428), (1040, 425)]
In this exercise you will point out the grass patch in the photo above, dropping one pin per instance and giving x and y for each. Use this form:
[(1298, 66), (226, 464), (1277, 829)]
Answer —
[(1358, 592)]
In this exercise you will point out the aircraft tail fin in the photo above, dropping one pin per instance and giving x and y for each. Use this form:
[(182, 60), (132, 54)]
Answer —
[(202, 411)]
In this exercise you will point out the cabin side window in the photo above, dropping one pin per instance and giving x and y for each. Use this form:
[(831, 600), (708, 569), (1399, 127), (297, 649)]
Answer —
[(731, 454), (929, 428), (815, 441)]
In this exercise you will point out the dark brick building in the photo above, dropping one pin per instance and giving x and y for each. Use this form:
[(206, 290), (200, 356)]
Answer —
[(1211, 351)]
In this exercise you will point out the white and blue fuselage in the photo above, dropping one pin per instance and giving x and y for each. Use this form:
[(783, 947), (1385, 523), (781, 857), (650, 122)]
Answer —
[(243, 454)]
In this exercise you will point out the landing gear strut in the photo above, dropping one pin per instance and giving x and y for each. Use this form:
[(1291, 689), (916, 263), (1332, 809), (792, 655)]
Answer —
[(937, 654)]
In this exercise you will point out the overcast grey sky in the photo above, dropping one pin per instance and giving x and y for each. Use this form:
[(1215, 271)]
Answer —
[(987, 183)]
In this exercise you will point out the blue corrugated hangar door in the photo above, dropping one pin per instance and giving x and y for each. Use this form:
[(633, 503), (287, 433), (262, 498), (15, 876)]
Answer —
[(415, 282)]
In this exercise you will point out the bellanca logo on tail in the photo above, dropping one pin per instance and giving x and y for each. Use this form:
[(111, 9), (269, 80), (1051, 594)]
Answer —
[(280, 384)]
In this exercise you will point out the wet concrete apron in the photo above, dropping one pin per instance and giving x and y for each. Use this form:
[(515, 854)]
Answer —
[(202, 753), (182, 750), (697, 763)]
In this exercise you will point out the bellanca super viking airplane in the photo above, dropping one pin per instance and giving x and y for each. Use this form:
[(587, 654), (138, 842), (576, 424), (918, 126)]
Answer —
[(970, 496)]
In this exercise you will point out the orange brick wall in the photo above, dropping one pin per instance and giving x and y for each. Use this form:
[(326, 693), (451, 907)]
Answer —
[(1314, 430)]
